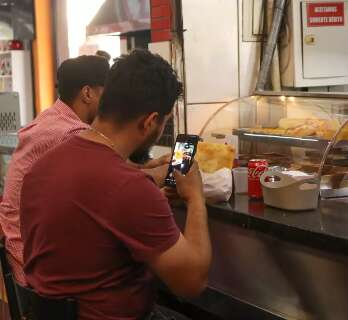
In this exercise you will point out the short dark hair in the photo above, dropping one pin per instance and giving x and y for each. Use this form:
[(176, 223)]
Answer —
[(103, 54), (73, 74), (138, 84)]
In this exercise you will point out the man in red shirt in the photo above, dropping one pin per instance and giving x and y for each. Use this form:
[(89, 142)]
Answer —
[(96, 228)]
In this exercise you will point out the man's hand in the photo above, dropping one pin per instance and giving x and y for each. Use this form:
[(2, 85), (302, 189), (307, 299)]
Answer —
[(190, 186), (158, 174), (170, 193), (154, 163)]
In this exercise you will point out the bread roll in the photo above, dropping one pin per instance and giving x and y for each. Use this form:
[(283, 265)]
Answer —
[(322, 128), (302, 131), (326, 134), (274, 131), (287, 123)]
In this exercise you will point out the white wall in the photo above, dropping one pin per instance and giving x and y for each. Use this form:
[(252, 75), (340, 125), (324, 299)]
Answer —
[(211, 50), (220, 65)]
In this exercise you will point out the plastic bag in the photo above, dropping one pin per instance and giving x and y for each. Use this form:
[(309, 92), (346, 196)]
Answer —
[(217, 186)]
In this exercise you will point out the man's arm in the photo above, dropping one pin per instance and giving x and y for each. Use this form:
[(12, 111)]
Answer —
[(184, 267), (156, 168), (161, 161), (153, 163), (158, 174)]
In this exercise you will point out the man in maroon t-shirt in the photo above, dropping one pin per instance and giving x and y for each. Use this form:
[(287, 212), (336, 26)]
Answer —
[(97, 229)]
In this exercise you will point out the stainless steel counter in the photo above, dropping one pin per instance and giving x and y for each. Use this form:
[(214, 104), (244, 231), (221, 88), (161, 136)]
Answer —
[(283, 264)]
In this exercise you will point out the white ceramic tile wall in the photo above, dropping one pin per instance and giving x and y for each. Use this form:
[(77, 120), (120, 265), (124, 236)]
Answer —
[(161, 48), (219, 64), (241, 63), (211, 50), (198, 115)]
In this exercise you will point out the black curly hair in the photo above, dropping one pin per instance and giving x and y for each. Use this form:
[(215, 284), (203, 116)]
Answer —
[(138, 84)]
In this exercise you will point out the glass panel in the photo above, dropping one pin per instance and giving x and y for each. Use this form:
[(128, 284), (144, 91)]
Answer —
[(290, 132)]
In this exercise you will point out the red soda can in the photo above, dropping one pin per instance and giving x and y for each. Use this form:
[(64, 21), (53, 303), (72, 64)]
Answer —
[(256, 168)]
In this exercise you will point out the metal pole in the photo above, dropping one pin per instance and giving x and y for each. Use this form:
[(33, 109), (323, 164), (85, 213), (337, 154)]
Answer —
[(271, 45)]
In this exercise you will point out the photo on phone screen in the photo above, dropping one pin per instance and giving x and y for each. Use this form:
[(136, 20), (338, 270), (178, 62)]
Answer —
[(183, 154)]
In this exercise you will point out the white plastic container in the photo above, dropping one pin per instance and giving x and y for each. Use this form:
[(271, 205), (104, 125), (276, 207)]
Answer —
[(240, 178), (288, 192)]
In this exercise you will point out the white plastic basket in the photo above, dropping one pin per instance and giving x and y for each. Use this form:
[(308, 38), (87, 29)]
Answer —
[(285, 192)]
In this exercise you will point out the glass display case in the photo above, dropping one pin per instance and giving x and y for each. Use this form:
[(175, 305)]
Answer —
[(291, 132)]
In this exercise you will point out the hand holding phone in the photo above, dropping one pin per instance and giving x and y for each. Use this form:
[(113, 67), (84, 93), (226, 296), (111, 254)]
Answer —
[(190, 187), (182, 157)]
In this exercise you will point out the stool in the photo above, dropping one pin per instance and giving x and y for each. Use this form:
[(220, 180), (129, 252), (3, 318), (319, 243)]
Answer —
[(10, 286), (43, 308)]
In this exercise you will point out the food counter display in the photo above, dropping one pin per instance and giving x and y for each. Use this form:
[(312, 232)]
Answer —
[(272, 263), (290, 132)]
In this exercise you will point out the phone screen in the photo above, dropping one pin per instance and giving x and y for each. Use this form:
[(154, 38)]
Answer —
[(182, 158)]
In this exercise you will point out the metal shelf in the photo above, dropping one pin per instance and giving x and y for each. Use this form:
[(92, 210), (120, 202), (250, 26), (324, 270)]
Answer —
[(302, 142)]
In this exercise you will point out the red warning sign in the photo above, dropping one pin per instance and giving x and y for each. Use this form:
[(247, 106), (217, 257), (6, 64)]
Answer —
[(325, 14)]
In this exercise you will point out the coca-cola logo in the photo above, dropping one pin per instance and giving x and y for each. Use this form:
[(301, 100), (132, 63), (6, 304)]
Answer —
[(256, 173)]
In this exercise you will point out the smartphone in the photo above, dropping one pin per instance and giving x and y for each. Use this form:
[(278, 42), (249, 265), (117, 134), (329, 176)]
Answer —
[(182, 158)]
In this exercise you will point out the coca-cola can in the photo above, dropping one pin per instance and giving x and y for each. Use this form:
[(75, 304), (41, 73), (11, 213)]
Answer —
[(256, 168)]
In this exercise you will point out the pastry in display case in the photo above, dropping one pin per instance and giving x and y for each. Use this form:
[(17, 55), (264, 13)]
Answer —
[(212, 157), (293, 133)]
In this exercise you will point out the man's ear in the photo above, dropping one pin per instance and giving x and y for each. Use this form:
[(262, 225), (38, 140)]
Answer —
[(86, 94), (149, 122)]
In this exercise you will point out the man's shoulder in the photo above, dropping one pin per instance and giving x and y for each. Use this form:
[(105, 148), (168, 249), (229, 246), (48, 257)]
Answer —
[(42, 116), (50, 126)]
